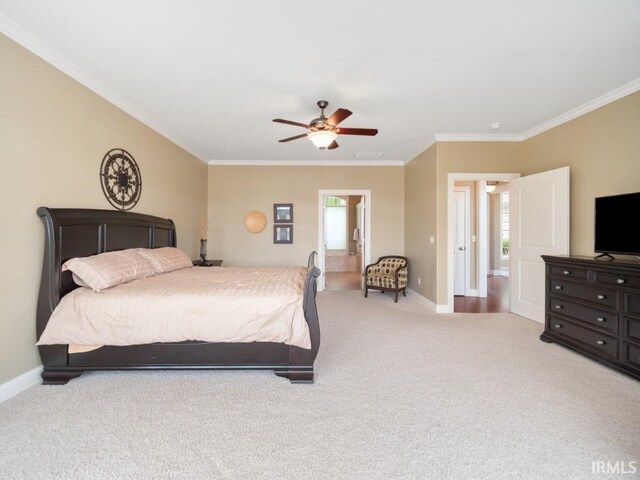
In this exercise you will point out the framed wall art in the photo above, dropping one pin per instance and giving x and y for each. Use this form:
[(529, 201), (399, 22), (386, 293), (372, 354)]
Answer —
[(283, 213), (283, 234)]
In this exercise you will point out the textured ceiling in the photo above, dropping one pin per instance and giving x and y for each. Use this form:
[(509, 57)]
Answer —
[(212, 75)]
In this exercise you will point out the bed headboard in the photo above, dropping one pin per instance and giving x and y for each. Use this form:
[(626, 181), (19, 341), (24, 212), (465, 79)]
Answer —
[(79, 232)]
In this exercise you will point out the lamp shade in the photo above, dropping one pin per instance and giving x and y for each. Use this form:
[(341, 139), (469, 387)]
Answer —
[(322, 138)]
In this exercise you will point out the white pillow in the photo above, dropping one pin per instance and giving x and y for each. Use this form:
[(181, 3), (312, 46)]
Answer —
[(166, 259), (109, 269)]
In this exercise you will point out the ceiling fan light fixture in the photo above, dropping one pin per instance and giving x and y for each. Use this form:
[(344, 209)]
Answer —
[(322, 138)]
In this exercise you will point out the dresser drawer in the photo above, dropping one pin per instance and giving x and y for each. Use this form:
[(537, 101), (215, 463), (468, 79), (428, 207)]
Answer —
[(569, 272), (591, 339), (631, 355), (632, 303), (598, 295), (591, 316), (613, 279), (632, 328)]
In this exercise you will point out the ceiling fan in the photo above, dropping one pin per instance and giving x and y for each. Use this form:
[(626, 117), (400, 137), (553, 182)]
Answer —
[(323, 131)]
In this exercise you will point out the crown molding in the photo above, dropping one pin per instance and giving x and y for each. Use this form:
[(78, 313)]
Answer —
[(36, 46), (309, 163), (496, 137), (421, 148), (594, 104)]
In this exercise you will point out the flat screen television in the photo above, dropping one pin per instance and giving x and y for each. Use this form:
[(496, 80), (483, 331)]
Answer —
[(617, 221)]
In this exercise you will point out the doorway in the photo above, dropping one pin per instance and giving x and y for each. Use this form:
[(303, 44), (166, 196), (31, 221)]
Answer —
[(485, 289), (344, 238), (538, 224)]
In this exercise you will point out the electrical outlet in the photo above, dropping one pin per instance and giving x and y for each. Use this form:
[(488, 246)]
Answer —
[(419, 281), (432, 240), (473, 238)]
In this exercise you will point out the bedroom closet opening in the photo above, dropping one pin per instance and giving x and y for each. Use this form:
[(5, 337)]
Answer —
[(343, 238)]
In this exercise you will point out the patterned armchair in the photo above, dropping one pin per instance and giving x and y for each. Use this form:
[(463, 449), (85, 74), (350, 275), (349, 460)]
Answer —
[(388, 273)]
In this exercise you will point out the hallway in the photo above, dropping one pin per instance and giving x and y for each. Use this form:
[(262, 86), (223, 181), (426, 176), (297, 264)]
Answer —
[(342, 280), (497, 298)]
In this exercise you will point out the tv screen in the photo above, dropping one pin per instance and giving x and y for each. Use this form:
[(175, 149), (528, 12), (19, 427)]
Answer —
[(617, 219)]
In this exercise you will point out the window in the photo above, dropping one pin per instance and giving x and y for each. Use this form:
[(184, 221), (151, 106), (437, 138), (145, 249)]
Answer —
[(504, 224), (335, 226)]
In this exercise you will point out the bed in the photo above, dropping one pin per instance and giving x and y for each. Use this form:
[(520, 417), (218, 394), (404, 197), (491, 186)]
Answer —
[(71, 233)]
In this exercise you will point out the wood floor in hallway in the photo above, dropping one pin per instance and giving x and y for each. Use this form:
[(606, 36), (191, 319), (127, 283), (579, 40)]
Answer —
[(343, 280), (497, 298)]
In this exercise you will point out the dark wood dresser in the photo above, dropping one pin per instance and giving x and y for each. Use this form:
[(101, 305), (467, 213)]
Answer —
[(593, 307)]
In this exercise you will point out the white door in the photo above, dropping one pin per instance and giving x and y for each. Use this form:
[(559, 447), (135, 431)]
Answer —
[(361, 240), (539, 225), (459, 241)]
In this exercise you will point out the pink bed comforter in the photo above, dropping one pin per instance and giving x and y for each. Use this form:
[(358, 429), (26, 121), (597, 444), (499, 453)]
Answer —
[(258, 304)]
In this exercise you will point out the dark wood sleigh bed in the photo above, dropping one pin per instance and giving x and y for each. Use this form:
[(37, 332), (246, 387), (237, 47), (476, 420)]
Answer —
[(74, 232)]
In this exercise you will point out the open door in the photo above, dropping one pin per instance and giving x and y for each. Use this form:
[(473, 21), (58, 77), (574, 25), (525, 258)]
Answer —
[(539, 225)]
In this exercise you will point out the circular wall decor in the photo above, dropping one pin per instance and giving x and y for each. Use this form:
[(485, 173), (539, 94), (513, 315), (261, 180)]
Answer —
[(120, 179), (255, 221)]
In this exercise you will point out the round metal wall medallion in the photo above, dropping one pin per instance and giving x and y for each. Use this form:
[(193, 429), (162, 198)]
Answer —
[(120, 179)]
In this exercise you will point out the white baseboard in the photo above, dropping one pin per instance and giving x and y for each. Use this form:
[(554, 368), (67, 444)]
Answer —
[(431, 305), (472, 292), (19, 384)]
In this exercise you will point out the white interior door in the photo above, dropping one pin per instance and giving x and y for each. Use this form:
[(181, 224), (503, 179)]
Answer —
[(539, 225), (459, 241)]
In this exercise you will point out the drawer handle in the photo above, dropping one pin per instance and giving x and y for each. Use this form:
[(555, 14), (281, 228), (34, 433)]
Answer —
[(601, 297), (566, 272), (601, 319), (621, 281), (557, 325), (558, 287), (601, 342), (559, 307)]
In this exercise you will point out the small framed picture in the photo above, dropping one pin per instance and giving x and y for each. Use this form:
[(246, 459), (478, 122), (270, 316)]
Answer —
[(283, 213), (283, 234)]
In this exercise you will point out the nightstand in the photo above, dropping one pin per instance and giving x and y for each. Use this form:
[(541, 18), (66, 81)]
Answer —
[(207, 263)]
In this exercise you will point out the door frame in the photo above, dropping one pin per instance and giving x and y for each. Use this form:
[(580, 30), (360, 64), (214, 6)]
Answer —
[(467, 238), (367, 227), (482, 242)]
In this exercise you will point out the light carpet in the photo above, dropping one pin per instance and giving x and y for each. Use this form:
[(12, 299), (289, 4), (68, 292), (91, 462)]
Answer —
[(400, 392)]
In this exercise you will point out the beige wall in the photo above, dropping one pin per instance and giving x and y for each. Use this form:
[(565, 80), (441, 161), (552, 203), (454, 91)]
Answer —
[(467, 157), (54, 133), (426, 186), (421, 221), (234, 191), (602, 148)]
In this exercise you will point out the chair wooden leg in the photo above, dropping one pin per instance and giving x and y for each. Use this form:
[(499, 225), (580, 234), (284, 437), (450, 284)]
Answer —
[(404, 292), (366, 291), (396, 300)]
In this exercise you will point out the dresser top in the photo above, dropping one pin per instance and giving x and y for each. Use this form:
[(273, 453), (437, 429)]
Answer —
[(592, 262)]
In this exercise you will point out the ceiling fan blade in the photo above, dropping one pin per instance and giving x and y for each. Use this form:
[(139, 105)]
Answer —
[(358, 131), (338, 116), (333, 145), (292, 138), (289, 122)]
